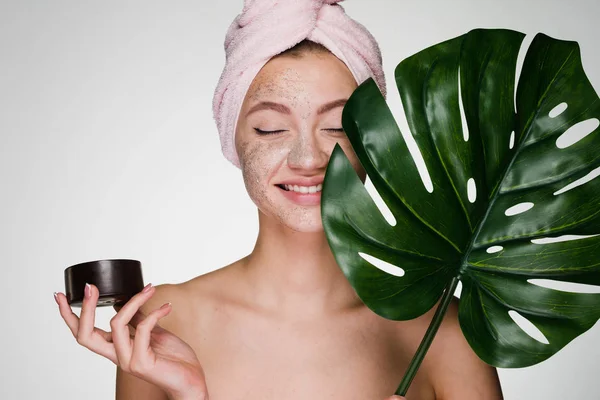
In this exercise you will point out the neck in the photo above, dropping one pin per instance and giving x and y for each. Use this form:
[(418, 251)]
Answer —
[(295, 273)]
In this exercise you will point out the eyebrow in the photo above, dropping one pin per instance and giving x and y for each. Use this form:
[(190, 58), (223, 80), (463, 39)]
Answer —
[(270, 105), (331, 105)]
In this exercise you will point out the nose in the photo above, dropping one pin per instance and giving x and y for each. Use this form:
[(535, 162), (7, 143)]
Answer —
[(308, 152)]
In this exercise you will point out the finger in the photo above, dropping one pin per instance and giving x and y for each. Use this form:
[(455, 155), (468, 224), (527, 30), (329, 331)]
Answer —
[(143, 356), (130, 309), (87, 317), (67, 314), (139, 317), (97, 343), (135, 320), (120, 329), (88, 335)]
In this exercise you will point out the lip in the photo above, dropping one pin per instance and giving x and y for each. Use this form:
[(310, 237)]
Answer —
[(312, 181), (302, 199)]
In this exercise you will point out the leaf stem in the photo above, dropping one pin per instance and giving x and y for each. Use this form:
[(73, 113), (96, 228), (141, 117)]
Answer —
[(415, 363)]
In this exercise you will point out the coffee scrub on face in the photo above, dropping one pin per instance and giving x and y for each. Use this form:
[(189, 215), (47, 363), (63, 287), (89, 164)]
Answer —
[(302, 139)]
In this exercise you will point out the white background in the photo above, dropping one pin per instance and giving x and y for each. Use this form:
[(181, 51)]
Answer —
[(109, 150)]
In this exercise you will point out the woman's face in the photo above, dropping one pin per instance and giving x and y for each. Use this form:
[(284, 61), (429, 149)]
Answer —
[(289, 123)]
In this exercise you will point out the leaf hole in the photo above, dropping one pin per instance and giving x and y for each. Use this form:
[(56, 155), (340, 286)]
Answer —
[(471, 190), (518, 208), (563, 286), (528, 327), (577, 132), (563, 238), (494, 249), (458, 290), (463, 118), (525, 44), (584, 179), (382, 265), (397, 109), (511, 142), (559, 109), (383, 208)]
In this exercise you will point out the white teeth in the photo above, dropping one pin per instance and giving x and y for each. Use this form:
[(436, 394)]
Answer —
[(304, 189)]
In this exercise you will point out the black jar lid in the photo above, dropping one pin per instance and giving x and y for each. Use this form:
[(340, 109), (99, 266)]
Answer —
[(117, 281)]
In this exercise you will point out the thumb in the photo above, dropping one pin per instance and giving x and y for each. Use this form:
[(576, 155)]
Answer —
[(395, 397)]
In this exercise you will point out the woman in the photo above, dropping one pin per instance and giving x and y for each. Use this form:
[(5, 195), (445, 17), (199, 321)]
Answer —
[(282, 322)]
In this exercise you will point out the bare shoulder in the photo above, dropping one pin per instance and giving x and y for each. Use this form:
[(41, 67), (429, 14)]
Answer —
[(167, 293), (195, 297), (452, 367)]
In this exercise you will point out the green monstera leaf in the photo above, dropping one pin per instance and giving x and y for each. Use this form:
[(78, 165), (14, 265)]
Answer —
[(505, 187)]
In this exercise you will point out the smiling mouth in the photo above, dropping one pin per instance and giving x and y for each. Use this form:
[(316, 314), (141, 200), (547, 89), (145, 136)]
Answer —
[(301, 189)]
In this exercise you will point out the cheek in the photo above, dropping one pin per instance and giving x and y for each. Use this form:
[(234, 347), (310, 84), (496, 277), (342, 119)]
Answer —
[(259, 161)]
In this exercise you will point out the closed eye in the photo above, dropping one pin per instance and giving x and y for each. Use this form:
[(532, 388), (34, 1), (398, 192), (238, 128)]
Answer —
[(261, 132)]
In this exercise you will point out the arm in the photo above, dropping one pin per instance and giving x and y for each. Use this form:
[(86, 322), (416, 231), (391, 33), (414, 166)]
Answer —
[(455, 371), (130, 387)]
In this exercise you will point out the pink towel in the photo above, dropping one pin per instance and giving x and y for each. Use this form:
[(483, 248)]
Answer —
[(266, 28)]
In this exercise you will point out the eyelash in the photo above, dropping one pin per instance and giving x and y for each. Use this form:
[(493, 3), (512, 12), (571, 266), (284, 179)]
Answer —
[(261, 132)]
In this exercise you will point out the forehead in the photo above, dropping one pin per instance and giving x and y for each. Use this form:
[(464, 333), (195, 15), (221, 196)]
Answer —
[(279, 82), (308, 75)]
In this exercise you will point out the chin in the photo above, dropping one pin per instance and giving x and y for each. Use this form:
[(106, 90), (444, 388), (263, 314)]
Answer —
[(315, 226), (300, 218), (295, 218)]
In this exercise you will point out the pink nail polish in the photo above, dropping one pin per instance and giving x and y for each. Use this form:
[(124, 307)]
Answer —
[(56, 298), (147, 288), (87, 291)]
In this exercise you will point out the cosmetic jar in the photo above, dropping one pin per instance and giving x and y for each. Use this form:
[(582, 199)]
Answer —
[(117, 281)]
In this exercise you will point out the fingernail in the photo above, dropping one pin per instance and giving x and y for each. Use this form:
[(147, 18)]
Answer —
[(147, 288), (165, 305), (56, 298), (87, 291)]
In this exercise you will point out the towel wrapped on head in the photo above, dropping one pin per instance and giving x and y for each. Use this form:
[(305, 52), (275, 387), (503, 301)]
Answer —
[(266, 28)]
